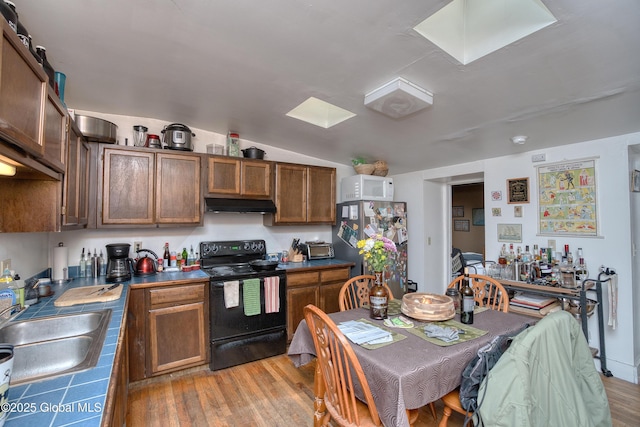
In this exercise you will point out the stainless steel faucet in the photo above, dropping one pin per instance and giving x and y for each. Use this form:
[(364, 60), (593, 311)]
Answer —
[(3, 312)]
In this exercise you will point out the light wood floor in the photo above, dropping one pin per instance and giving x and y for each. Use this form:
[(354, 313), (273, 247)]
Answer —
[(274, 393)]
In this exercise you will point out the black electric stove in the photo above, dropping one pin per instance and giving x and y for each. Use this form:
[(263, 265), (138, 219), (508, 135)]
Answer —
[(236, 337)]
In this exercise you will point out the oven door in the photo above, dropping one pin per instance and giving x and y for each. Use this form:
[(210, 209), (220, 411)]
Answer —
[(232, 322)]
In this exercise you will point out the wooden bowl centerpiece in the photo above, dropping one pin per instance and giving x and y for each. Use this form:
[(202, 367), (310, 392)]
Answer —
[(425, 306)]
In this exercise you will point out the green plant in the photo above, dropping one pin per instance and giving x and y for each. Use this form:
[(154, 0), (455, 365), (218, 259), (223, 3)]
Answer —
[(359, 161)]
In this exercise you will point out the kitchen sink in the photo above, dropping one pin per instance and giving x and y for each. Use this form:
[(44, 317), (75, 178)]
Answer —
[(52, 346)]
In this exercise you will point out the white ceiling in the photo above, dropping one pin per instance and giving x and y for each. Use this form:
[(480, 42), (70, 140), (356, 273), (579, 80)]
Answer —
[(241, 65)]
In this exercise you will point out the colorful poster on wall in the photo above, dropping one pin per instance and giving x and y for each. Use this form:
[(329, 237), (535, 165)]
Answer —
[(567, 202)]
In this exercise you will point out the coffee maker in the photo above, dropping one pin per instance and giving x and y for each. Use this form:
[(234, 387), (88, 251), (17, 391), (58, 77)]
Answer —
[(119, 265)]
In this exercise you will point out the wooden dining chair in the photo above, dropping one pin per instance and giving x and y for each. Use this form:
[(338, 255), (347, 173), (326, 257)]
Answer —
[(355, 292), (340, 370), (488, 292)]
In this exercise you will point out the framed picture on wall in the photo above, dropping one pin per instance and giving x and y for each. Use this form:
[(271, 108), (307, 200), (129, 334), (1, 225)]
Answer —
[(457, 211), (460, 225), (518, 190), (510, 233), (477, 216)]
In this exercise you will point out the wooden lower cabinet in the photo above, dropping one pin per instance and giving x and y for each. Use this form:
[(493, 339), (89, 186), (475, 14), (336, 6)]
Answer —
[(169, 329), (319, 287)]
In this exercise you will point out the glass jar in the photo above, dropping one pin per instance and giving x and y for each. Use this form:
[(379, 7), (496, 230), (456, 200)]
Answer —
[(455, 296)]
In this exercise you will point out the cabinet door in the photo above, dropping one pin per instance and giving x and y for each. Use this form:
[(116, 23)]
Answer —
[(291, 193), (329, 297), (256, 179), (23, 91), (76, 182), (331, 283), (178, 196), (128, 187), (223, 176), (55, 133), (321, 196), (297, 299), (177, 337)]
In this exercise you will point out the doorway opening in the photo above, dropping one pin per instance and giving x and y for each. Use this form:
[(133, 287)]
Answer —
[(467, 225)]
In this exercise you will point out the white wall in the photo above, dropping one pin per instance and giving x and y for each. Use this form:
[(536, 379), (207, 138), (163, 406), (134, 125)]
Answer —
[(612, 248), (634, 164)]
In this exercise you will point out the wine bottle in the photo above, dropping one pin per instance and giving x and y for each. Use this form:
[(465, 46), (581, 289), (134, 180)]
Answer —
[(185, 257), (167, 256), (468, 301)]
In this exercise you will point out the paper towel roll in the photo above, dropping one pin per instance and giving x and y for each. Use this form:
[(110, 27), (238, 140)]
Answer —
[(60, 263)]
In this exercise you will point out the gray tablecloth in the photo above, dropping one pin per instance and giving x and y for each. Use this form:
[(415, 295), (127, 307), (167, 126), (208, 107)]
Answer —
[(413, 372)]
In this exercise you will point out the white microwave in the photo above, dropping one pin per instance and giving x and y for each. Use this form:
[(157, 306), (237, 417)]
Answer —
[(366, 187)]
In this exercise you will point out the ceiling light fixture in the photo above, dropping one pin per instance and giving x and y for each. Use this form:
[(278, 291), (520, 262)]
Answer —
[(519, 139), (398, 98), (7, 170)]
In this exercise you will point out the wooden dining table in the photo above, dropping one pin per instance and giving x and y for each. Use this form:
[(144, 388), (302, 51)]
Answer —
[(411, 372)]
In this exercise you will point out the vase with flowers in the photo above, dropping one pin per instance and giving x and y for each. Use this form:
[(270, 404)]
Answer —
[(378, 252)]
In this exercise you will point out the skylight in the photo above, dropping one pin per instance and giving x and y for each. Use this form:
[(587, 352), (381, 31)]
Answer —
[(471, 29), (320, 113)]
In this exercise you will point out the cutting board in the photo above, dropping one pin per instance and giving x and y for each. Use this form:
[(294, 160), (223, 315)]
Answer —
[(87, 295)]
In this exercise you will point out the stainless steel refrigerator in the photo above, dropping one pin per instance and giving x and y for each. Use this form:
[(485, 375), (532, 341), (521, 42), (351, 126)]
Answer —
[(358, 220)]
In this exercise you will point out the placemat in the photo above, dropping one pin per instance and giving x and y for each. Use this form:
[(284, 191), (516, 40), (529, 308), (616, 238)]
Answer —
[(469, 332), (394, 335)]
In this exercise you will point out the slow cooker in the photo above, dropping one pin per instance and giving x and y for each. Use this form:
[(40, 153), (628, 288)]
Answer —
[(178, 137)]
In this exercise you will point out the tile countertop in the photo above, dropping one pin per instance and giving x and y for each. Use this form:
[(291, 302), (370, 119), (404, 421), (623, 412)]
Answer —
[(77, 398), (315, 264)]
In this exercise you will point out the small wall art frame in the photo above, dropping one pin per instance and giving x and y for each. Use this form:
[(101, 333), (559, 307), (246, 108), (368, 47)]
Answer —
[(518, 190), (460, 225), (477, 216), (457, 211), (510, 233)]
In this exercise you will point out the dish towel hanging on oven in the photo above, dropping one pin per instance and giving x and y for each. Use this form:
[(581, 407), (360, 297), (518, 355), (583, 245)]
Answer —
[(231, 293), (251, 296), (272, 294)]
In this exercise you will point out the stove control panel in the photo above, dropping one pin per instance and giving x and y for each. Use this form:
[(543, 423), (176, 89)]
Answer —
[(232, 247)]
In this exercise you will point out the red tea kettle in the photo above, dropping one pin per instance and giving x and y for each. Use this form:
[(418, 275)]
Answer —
[(145, 265)]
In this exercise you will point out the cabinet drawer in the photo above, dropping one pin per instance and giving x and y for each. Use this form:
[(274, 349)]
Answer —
[(334, 275), (177, 295), (303, 279)]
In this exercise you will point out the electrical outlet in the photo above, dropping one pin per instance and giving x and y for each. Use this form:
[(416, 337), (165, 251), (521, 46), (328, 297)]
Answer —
[(6, 264), (538, 157), (137, 246)]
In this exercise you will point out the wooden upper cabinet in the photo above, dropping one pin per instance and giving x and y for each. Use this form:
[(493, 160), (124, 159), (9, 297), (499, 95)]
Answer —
[(228, 176), (76, 181), (303, 195), (291, 193), (56, 125), (224, 176), (128, 187), (321, 195), (178, 196), (140, 186), (23, 91)]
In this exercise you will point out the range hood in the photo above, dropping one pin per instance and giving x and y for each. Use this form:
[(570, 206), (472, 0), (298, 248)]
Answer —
[(240, 205)]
